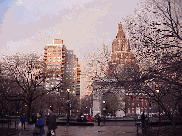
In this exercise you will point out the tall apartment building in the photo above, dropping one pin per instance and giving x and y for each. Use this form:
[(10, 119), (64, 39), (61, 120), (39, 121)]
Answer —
[(65, 66), (72, 73), (54, 57)]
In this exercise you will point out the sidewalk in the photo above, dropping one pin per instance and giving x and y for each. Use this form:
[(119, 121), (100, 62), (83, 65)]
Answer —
[(103, 130), (27, 132)]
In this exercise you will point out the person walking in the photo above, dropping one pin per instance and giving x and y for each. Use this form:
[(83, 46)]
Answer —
[(23, 120), (39, 125), (98, 118), (34, 118), (90, 118), (51, 122), (143, 123)]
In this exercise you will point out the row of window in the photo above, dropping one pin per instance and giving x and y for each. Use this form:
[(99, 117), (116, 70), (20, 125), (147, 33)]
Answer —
[(54, 50), (54, 54), (133, 110), (142, 104), (54, 47)]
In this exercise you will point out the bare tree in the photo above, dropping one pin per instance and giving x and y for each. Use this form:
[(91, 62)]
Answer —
[(97, 62), (24, 78), (155, 36)]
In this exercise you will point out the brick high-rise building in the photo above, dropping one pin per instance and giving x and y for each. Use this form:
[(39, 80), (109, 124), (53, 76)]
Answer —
[(65, 69), (54, 57)]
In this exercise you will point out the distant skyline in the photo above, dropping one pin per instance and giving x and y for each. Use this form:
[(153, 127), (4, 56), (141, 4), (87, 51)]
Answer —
[(29, 25)]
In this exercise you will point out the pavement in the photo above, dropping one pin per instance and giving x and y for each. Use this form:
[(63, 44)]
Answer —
[(106, 129)]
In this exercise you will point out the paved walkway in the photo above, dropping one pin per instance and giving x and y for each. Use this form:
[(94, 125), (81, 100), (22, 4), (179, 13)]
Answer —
[(107, 129)]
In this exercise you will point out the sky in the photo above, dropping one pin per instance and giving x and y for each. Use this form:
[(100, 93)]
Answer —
[(28, 25)]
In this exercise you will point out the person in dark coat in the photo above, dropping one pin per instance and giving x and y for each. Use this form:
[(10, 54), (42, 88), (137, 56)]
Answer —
[(39, 125), (79, 118), (23, 120), (98, 118), (84, 119), (143, 122), (51, 122), (34, 118)]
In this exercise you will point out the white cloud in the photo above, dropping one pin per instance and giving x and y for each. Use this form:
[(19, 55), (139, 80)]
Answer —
[(83, 25)]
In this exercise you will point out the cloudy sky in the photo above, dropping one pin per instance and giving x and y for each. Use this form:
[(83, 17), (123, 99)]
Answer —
[(28, 25)]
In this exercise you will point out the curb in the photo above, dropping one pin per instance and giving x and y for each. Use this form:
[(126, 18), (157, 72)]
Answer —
[(13, 133)]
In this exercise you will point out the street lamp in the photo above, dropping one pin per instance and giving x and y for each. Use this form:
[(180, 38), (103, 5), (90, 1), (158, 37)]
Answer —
[(157, 91), (68, 102)]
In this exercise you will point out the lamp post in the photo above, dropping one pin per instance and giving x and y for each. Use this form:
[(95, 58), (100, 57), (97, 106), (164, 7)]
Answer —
[(68, 115), (157, 91)]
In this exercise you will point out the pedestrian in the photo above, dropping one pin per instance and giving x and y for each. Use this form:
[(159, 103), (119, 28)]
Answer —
[(143, 122), (147, 121), (90, 118), (104, 119), (98, 118), (79, 118), (84, 118), (23, 120), (51, 122), (34, 118), (39, 125)]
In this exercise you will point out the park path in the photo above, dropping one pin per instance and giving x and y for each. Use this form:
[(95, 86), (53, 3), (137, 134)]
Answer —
[(106, 129)]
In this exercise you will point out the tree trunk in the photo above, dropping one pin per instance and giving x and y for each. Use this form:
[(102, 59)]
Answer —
[(29, 111), (174, 127)]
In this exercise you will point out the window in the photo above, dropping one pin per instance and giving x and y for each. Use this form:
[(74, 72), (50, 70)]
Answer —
[(54, 50), (132, 104), (133, 110), (128, 110)]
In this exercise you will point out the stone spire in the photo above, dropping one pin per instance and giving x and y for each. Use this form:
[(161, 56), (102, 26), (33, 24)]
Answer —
[(120, 33), (120, 43)]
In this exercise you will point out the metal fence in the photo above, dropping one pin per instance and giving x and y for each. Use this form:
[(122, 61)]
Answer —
[(8, 125)]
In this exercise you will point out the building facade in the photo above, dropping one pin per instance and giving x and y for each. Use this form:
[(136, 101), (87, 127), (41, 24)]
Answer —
[(65, 70), (54, 57), (72, 73)]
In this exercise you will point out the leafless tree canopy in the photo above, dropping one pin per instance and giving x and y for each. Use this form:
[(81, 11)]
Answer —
[(155, 34)]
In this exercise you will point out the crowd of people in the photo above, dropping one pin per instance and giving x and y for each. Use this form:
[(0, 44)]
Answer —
[(84, 118), (39, 123)]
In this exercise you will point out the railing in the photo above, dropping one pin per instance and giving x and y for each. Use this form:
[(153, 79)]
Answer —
[(145, 127), (7, 125)]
